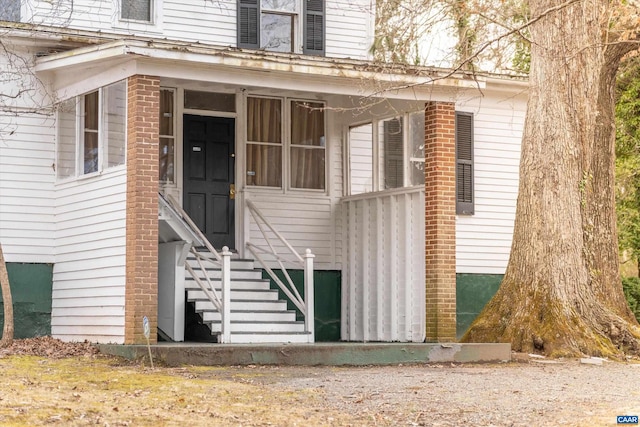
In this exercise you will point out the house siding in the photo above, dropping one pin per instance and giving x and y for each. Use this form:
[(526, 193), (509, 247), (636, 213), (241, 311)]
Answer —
[(349, 23), (26, 188), (89, 274), (483, 240)]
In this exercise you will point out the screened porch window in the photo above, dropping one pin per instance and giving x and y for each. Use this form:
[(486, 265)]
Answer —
[(91, 134), (392, 156), (167, 135)]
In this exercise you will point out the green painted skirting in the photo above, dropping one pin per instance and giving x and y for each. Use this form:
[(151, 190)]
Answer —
[(327, 285), (473, 292), (31, 293)]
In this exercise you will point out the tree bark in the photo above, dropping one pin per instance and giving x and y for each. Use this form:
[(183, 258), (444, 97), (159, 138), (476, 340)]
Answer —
[(7, 332), (561, 293)]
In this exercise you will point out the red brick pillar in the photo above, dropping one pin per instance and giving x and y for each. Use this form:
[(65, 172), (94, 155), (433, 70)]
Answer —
[(141, 291), (440, 221)]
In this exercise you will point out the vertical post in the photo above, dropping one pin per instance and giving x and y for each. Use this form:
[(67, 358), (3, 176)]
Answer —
[(309, 319), (226, 295)]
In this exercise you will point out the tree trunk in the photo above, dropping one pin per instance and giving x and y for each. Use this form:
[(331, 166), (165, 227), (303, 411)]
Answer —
[(7, 332), (561, 293)]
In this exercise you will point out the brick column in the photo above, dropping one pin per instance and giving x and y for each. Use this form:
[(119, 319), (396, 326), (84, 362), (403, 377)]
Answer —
[(141, 291), (440, 221)]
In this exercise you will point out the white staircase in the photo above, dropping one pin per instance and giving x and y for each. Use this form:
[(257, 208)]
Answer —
[(256, 313)]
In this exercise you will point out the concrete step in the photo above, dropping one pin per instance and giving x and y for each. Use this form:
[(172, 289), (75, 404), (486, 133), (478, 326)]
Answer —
[(260, 327), (237, 294), (256, 316), (272, 338)]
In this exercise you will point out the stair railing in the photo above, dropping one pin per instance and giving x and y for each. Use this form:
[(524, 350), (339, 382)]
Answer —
[(305, 305), (223, 261)]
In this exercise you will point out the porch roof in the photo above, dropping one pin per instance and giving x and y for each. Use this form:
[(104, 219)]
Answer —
[(81, 69)]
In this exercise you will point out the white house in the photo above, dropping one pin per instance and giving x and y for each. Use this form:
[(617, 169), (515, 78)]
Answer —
[(249, 115)]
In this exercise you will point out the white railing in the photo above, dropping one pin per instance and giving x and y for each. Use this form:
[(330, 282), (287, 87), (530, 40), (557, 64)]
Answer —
[(222, 260), (269, 234)]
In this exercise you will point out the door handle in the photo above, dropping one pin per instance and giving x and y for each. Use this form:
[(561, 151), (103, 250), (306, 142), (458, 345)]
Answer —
[(232, 191)]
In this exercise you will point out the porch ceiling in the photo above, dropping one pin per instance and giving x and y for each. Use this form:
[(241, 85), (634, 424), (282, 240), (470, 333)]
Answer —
[(118, 59)]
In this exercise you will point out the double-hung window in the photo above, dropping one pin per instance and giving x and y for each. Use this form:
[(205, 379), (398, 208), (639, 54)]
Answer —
[(282, 25), (303, 145), (92, 131)]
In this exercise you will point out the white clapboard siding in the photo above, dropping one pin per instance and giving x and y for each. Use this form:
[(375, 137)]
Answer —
[(304, 221), (89, 274), (349, 23), (26, 188), (483, 240), (383, 273)]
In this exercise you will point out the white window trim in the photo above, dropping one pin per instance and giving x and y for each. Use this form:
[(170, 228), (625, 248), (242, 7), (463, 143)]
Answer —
[(153, 27), (298, 34), (377, 184), (286, 145)]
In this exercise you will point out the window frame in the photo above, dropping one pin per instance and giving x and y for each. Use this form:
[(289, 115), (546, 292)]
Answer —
[(286, 146), (153, 26), (303, 19), (102, 157), (174, 118), (378, 158)]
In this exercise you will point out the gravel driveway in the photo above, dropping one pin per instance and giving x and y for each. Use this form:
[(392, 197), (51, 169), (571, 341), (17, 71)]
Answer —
[(537, 393)]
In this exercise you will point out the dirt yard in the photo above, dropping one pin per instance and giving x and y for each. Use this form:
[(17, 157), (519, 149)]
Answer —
[(45, 382)]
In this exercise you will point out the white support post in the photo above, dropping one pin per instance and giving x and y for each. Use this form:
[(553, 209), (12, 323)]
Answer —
[(226, 295), (309, 319)]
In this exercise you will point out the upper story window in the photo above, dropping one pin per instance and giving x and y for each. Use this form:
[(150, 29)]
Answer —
[(10, 10), (92, 131), (282, 25), (136, 10)]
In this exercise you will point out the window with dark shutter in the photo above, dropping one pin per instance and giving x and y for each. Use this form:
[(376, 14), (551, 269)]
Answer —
[(314, 27), (248, 24), (464, 164)]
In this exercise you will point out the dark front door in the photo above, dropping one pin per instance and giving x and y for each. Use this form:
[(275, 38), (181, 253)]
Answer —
[(209, 168)]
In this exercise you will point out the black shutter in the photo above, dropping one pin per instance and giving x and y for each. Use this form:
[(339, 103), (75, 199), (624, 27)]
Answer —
[(393, 164), (249, 24), (464, 164), (314, 27)]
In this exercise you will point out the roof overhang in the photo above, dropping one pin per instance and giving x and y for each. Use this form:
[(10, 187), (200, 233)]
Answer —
[(78, 70)]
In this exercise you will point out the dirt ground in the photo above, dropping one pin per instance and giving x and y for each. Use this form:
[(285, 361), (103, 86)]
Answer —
[(45, 382)]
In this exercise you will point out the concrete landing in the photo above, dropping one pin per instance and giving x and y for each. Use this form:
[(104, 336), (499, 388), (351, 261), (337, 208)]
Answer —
[(331, 354)]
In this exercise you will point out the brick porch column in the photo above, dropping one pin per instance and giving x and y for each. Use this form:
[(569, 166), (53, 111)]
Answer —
[(141, 290), (440, 221)]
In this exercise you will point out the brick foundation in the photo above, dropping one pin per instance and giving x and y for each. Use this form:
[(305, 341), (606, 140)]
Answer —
[(440, 221), (141, 294)]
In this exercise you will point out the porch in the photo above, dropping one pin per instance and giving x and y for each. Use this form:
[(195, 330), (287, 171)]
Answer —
[(326, 354)]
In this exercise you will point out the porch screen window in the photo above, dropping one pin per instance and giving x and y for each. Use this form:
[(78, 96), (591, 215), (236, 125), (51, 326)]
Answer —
[(361, 158), (391, 153), (136, 10), (464, 164), (276, 25), (92, 131), (307, 145), (264, 142), (167, 135)]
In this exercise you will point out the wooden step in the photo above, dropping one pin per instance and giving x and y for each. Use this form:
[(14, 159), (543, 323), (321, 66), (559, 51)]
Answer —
[(260, 327), (237, 294), (258, 284), (256, 316), (251, 305)]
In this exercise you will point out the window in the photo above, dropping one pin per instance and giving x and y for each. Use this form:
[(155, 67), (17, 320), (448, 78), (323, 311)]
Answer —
[(392, 157), (136, 10), (10, 10), (464, 164), (275, 25), (305, 142), (307, 145), (167, 135), (92, 131)]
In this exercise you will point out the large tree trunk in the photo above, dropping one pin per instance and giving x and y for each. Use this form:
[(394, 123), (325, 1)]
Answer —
[(562, 294), (7, 332)]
